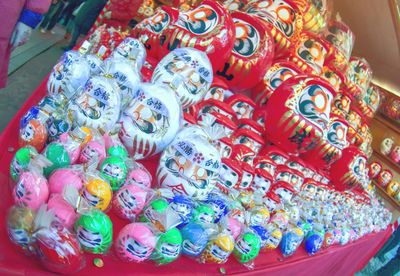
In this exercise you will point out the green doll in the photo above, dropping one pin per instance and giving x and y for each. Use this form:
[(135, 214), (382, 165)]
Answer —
[(203, 214), (247, 247), (94, 231), (21, 161), (168, 247), (58, 156), (114, 169)]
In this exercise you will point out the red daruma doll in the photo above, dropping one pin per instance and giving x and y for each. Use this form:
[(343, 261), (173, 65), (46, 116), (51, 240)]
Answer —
[(298, 113), (331, 145), (349, 171)]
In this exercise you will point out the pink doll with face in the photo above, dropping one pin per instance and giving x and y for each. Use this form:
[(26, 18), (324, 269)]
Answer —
[(129, 201), (135, 243), (31, 190)]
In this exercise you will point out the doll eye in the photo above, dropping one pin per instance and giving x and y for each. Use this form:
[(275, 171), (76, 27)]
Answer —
[(201, 173)]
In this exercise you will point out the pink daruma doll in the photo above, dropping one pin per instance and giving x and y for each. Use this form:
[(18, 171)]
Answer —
[(31, 190), (63, 177), (135, 243)]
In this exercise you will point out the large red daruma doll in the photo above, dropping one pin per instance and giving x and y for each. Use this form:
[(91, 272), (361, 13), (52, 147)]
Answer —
[(348, 172), (330, 147), (282, 17), (280, 71), (208, 28), (298, 112), (150, 30), (251, 55)]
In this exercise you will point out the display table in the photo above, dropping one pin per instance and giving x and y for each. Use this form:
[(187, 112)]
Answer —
[(338, 260)]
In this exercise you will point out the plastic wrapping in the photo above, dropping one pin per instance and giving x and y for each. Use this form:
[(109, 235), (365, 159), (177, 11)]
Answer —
[(183, 207), (74, 140), (96, 191), (31, 190), (34, 132), (129, 201), (70, 73), (125, 74), (135, 242), (133, 50), (96, 61), (247, 248), (62, 210), (218, 249), (274, 239), (57, 154), (21, 161), (151, 120), (97, 105), (187, 72), (203, 214), (20, 226), (194, 239), (63, 177), (192, 159), (94, 231), (291, 240), (137, 174), (168, 247), (93, 151), (114, 170), (59, 250)]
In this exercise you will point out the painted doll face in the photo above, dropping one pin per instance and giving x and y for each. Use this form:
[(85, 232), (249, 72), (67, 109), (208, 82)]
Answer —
[(261, 183), (284, 194), (147, 119), (88, 238), (192, 172), (247, 179), (277, 12), (314, 104), (337, 134), (312, 52)]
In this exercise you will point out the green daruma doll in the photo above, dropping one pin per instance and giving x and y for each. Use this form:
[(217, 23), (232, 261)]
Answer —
[(94, 231)]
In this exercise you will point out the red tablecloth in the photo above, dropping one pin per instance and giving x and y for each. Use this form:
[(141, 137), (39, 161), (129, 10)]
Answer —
[(337, 260)]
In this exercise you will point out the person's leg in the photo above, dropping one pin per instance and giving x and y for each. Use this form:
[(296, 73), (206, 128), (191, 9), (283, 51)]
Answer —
[(46, 18), (74, 38), (56, 14)]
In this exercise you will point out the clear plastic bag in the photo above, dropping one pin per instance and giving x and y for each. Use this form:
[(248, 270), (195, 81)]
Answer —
[(135, 242), (70, 74)]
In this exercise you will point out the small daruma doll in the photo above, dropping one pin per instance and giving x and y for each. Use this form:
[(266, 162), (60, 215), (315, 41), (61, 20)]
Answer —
[(135, 242), (395, 154), (298, 113), (374, 169), (190, 165), (31, 190), (218, 249), (384, 177), (386, 146)]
